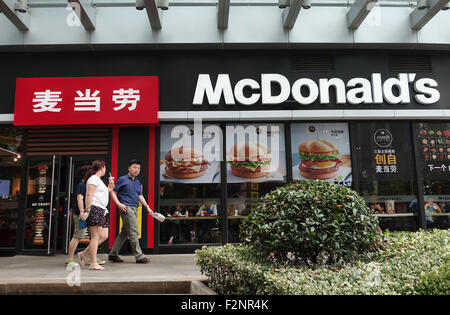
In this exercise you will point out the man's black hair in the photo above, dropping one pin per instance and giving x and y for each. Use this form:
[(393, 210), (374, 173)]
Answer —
[(82, 170), (134, 161)]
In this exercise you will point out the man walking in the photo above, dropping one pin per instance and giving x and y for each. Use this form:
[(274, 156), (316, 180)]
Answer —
[(126, 195)]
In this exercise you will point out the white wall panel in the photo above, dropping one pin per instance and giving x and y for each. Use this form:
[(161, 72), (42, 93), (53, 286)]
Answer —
[(124, 25), (249, 24), (191, 26), (437, 31), (386, 25), (332, 29), (48, 26), (9, 34)]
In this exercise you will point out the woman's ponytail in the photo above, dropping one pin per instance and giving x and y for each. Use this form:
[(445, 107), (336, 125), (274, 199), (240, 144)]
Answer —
[(94, 168)]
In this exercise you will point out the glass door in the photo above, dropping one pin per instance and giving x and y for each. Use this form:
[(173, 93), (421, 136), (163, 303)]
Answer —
[(40, 207), (51, 203), (76, 166)]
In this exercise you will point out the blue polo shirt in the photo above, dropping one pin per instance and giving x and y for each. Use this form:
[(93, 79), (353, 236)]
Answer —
[(128, 190)]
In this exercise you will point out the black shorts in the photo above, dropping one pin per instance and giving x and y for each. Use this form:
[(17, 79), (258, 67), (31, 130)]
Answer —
[(97, 217)]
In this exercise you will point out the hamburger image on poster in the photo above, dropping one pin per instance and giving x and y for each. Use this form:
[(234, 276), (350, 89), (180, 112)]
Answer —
[(185, 162), (321, 151), (255, 153), (250, 160), (181, 161)]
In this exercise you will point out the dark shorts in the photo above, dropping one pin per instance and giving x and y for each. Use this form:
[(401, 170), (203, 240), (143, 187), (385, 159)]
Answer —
[(97, 217)]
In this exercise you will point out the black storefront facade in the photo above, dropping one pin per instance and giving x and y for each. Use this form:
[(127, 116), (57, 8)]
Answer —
[(387, 113)]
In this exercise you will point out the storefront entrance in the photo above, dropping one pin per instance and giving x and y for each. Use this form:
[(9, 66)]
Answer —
[(49, 202)]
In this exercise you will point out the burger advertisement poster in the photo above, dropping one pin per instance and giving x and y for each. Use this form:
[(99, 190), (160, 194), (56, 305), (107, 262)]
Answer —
[(321, 151), (190, 154), (255, 153)]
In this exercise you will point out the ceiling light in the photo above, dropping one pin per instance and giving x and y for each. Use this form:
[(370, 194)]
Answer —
[(21, 6), (423, 4), (283, 3), (306, 4), (162, 4)]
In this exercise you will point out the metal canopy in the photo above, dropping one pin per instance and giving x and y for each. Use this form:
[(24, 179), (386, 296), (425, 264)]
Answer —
[(291, 13), (20, 20), (359, 10), (223, 13), (85, 13), (153, 15), (421, 17)]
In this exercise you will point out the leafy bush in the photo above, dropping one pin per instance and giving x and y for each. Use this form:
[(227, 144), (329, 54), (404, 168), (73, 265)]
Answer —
[(232, 268), (299, 221), (406, 263), (436, 282)]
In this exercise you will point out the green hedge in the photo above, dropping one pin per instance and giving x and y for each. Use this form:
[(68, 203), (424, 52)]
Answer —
[(309, 221), (436, 282), (405, 263)]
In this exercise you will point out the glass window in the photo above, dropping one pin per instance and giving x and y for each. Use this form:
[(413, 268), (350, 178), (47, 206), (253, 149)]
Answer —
[(385, 158), (256, 164), (190, 184), (10, 173), (433, 141)]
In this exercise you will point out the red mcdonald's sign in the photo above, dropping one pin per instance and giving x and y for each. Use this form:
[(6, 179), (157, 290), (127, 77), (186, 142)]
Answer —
[(94, 101)]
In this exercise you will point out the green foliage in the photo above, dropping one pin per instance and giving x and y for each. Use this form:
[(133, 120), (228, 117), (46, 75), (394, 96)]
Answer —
[(300, 221), (436, 282), (405, 263)]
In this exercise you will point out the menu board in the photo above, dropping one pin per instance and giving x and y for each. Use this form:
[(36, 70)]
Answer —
[(321, 151), (182, 161), (41, 206), (433, 140), (40, 212), (39, 227), (255, 153), (38, 201)]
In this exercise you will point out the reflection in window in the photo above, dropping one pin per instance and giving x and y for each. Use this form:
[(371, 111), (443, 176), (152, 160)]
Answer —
[(242, 199), (190, 184), (433, 140), (256, 165), (192, 213), (384, 154), (10, 172), (437, 205)]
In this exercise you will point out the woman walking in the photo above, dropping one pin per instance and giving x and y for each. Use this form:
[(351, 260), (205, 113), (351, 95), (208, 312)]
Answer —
[(96, 213)]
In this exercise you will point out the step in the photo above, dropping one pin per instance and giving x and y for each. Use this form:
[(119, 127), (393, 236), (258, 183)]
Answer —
[(138, 287)]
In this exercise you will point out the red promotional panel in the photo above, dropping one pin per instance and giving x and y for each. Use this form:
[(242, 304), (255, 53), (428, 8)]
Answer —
[(74, 101), (151, 184), (115, 173)]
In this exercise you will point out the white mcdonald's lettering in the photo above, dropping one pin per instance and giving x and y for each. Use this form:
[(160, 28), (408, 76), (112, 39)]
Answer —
[(306, 91)]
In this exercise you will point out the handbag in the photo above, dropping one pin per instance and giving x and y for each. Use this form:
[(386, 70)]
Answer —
[(82, 224)]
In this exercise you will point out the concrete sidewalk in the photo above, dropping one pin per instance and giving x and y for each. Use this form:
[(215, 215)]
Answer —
[(165, 274)]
